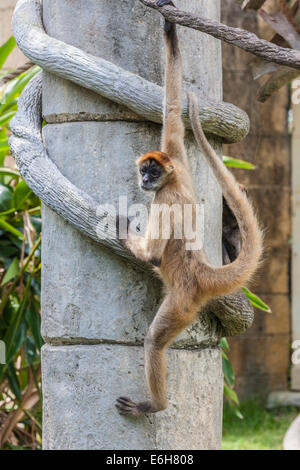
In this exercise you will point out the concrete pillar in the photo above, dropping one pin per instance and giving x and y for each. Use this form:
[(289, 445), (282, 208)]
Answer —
[(96, 308)]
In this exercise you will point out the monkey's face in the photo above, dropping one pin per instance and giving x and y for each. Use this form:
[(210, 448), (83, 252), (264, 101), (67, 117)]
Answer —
[(152, 175)]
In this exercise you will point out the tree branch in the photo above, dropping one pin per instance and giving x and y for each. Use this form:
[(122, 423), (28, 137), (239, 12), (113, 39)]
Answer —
[(283, 27), (286, 34), (139, 95), (21, 69), (238, 37), (278, 79), (252, 4)]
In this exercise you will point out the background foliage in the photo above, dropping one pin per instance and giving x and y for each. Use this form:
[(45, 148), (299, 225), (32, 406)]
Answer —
[(20, 264), (261, 429)]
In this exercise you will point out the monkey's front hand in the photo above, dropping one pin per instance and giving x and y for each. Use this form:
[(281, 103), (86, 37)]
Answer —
[(130, 408)]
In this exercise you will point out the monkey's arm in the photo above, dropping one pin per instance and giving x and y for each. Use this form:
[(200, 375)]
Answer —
[(146, 248), (173, 128), (150, 251)]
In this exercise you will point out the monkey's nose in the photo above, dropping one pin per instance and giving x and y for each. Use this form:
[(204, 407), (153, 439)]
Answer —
[(145, 179)]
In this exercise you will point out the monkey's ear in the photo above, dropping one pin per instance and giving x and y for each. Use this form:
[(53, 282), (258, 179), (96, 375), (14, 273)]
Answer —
[(170, 168)]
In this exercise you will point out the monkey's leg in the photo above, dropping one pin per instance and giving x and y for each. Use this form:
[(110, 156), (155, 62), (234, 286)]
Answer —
[(169, 321)]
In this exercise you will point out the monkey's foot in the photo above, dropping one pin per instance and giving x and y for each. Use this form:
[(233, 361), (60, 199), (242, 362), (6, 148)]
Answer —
[(162, 3), (129, 407)]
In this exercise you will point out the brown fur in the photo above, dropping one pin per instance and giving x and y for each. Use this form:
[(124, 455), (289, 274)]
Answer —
[(189, 279), (160, 157)]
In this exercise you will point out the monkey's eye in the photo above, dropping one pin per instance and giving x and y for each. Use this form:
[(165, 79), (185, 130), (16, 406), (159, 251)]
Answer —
[(142, 171), (154, 173)]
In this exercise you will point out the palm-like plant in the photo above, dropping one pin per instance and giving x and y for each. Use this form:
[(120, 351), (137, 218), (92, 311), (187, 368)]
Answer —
[(20, 227)]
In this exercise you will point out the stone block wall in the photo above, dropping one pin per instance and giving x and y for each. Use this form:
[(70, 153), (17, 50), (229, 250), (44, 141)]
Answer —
[(261, 356)]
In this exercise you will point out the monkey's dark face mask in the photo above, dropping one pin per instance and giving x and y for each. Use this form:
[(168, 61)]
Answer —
[(152, 175)]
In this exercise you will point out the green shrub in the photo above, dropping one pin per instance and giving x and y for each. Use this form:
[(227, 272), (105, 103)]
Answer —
[(20, 265)]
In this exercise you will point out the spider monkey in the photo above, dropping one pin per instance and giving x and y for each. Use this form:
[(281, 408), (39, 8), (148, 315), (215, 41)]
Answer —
[(190, 280)]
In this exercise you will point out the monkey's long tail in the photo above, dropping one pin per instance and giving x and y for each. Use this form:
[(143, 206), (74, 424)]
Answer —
[(226, 279)]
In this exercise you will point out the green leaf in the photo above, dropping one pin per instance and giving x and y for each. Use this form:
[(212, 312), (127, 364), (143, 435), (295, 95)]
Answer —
[(11, 106), (21, 194), (12, 271), (20, 335), (224, 345), (6, 117), (4, 147), (228, 371), (12, 447), (238, 413), (6, 197), (7, 251), (234, 162), (224, 354), (10, 211), (6, 226), (256, 301), (30, 350), (229, 393), (34, 321), (15, 87), (6, 49), (15, 322), (2, 157), (9, 172), (3, 134), (234, 406), (13, 381)]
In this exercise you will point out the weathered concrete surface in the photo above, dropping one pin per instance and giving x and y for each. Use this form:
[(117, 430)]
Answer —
[(91, 296), (283, 399), (79, 387), (295, 377), (292, 437)]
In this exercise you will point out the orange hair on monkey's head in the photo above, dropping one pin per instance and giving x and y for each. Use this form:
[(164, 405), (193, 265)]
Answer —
[(160, 157)]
